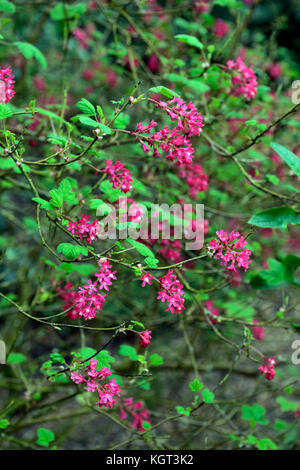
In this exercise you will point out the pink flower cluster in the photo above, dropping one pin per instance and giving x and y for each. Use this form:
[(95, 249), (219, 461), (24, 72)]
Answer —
[(220, 28), (85, 228), (82, 37), (94, 383), (201, 6), (258, 332), (297, 414), (174, 141), (195, 178), (171, 292), (230, 248), (212, 312), (120, 177), (267, 368), (6, 85), (244, 77), (88, 300), (145, 337), (137, 411)]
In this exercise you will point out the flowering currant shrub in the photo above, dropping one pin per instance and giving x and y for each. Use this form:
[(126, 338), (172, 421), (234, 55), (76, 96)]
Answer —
[(149, 225)]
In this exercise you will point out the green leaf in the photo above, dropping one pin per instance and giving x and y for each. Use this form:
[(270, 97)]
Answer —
[(71, 251), (62, 11), (4, 423), (141, 248), (96, 203), (86, 107), (88, 122), (196, 385), (277, 217), (286, 405), (45, 436), (164, 91), (254, 413), (128, 351), (190, 40), (65, 190), (7, 6), (57, 357), (5, 111), (265, 444), (275, 274), (56, 198), (156, 360), (16, 358), (288, 157), (122, 121), (180, 410), (208, 396), (44, 204), (151, 262), (30, 51)]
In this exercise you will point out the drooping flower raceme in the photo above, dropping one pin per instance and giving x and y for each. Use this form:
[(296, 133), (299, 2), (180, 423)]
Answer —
[(267, 368), (173, 143), (88, 300), (145, 337), (258, 331), (243, 78), (6, 85), (120, 177), (171, 292), (212, 312), (94, 381), (195, 178), (230, 249), (85, 229), (137, 411)]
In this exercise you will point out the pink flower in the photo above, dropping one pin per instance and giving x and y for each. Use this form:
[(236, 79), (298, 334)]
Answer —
[(221, 28), (95, 383), (105, 275), (243, 78), (77, 378), (146, 278), (171, 292), (39, 83), (230, 249), (174, 143), (120, 177), (111, 77), (85, 228), (213, 312), (82, 37), (153, 63), (195, 178), (88, 300), (297, 414), (88, 74), (267, 368), (274, 71), (6, 85), (145, 337), (201, 6), (258, 331), (135, 410)]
